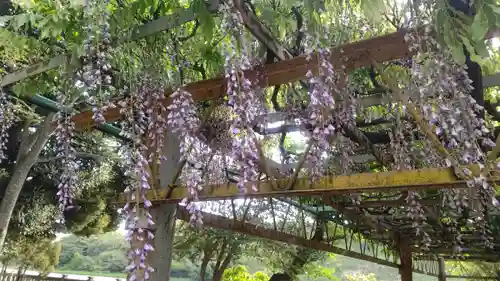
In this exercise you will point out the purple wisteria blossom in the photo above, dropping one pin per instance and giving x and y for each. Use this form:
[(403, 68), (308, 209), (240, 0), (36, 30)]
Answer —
[(243, 99), (145, 123), (7, 118), (183, 121), (455, 115), (64, 133), (96, 67)]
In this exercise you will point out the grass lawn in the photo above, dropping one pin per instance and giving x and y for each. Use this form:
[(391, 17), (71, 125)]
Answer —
[(108, 274), (88, 273)]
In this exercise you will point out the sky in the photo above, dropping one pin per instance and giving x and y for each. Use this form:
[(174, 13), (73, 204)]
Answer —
[(495, 42)]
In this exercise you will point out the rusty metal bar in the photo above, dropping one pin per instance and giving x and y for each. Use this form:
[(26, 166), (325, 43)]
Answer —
[(221, 222), (428, 178)]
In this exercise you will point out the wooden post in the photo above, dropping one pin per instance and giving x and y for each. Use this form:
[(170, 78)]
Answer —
[(164, 214), (405, 268), (442, 270)]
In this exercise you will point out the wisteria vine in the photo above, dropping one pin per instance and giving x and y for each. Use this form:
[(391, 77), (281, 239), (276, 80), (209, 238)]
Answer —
[(183, 121)]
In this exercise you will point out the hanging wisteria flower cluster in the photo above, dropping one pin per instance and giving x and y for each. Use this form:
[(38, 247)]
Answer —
[(243, 99), (96, 74), (145, 119), (64, 133), (183, 117), (401, 148), (324, 114), (183, 121), (456, 117), (139, 220), (7, 118)]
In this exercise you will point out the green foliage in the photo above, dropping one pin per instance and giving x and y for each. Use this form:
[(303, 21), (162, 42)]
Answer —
[(356, 276), (37, 215), (240, 273), (373, 10), (45, 28), (105, 253), (457, 29), (38, 254)]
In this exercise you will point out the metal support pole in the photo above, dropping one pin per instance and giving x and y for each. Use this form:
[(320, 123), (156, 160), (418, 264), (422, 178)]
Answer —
[(442, 270)]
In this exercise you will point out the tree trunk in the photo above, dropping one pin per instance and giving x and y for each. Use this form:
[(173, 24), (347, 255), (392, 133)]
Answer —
[(222, 265), (208, 251), (203, 268), (303, 255), (218, 272), (16, 182)]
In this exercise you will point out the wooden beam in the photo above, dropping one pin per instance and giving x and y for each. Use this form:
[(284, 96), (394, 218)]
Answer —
[(33, 70), (384, 48), (466, 258), (351, 56), (220, 222), (388, 203), (429, 178), (472, 277)]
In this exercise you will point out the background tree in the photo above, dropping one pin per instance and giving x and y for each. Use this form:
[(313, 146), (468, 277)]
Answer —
[(40, 254), (240, 273)]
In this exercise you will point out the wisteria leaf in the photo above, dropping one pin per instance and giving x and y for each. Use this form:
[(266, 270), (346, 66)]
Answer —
[(481, 49), (479, 26)]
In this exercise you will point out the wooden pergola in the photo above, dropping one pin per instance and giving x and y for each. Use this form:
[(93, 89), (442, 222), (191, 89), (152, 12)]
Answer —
[(372, 224)]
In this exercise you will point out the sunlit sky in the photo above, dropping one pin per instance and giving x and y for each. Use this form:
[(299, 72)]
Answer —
[(495, 42)]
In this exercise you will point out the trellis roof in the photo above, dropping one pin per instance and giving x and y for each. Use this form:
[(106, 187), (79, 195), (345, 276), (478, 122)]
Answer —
[(374, 221)]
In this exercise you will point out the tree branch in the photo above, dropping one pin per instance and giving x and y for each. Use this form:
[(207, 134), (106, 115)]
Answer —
[(221, 254), (263, 34), (199, 67), (207, 256), (193, 32), (41, 135), (27, 140)]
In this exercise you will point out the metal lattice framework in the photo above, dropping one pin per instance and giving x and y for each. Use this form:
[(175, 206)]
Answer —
[(373, 229)]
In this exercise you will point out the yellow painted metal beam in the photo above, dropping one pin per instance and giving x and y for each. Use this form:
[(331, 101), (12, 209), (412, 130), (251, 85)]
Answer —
[(429, 178)]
